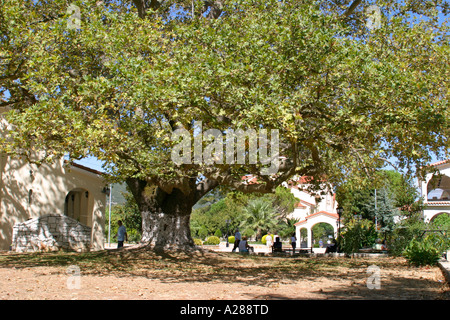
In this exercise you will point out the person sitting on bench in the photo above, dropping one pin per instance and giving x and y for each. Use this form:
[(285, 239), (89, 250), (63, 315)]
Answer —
[(243, 245), (277, 245)]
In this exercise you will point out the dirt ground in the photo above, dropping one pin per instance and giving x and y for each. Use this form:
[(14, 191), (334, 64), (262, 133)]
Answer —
[(204, 275)]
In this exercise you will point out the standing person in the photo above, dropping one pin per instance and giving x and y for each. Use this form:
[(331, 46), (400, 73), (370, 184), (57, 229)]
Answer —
[(121, 234), (269, 241), (293, 242), (237, 239)]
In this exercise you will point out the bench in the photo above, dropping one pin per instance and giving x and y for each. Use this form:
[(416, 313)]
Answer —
[(297, 250)]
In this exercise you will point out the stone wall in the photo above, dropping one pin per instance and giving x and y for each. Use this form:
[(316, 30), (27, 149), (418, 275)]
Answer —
[(51, 233)]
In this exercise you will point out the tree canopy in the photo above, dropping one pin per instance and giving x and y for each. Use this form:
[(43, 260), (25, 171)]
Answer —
[(342, 88)]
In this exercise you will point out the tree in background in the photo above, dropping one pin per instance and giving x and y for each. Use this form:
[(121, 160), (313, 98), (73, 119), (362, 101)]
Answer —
[(357, 233), (343, 87), (395, 195), (260, 216), (395, 208), (381, 209), (322, 231), (213, 217), (253, 214), (129, 214)]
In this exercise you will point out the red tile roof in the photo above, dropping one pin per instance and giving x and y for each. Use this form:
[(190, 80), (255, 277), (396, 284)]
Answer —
[(77, 165), (334, 215), (439, 163), (431, 203), (299, 204)]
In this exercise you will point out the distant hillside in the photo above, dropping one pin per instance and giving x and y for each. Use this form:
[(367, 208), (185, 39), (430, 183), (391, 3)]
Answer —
[(117, 193)]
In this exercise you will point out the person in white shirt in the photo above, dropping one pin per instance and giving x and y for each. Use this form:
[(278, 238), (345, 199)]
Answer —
[(269, 240)]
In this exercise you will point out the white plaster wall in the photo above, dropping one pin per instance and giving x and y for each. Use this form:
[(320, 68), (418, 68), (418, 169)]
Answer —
[(29, 191)]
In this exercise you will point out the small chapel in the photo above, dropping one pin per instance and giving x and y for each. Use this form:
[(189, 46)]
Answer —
[(50, 206)]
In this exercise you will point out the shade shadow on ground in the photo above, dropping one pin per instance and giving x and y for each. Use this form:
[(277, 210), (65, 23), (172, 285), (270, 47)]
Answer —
[(254, 277)]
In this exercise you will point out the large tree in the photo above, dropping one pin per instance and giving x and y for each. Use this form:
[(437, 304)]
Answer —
[(341, 86)]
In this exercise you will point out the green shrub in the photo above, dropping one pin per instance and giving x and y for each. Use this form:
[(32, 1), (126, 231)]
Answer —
[(405, 231), (218, 233), (203, 232), (357, 234), (248, 233), (213, 240), (198, 242), (133, 236), (422, 252), (231, 239)]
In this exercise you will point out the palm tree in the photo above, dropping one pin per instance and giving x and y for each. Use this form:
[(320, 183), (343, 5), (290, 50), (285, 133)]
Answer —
[(259, 215), (287, 227)]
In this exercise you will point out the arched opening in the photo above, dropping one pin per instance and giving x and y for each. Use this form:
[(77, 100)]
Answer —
[(303, 238), (76, 205), (441, 218), (322, 234), (438, 188)]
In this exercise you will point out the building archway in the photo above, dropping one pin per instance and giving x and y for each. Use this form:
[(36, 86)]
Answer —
[(433, 218), (322, 231), (438, 188), (303, 238), (76, 205), (313, 219)]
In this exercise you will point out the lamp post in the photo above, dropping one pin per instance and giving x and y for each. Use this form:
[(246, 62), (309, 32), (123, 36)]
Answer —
[(227, 222), (107, 191), (339, 211)]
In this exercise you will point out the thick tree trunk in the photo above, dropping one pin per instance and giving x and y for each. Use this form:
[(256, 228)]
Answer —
[(165, 216), (167, 228)]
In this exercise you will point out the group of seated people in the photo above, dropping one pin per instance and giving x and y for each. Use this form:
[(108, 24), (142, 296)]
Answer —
[(277, 246)]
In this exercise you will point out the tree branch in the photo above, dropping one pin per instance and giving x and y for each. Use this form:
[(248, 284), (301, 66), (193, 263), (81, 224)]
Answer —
[(204, 187), (352, 8)]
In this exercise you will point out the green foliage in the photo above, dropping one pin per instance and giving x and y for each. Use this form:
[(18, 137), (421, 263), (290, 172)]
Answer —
[(394, 191), (440, 241), (413, 229), (441, 222), (252, 213), (231, 239), (203, 232), (405, 231), (198, 242), (218, 233), (356, 235), (248, 232), (383, 209), (342, 96), (213, 240), (420, 252), (287, 227), (259, 215), (130, 216), (209, 219), (321, 231)]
